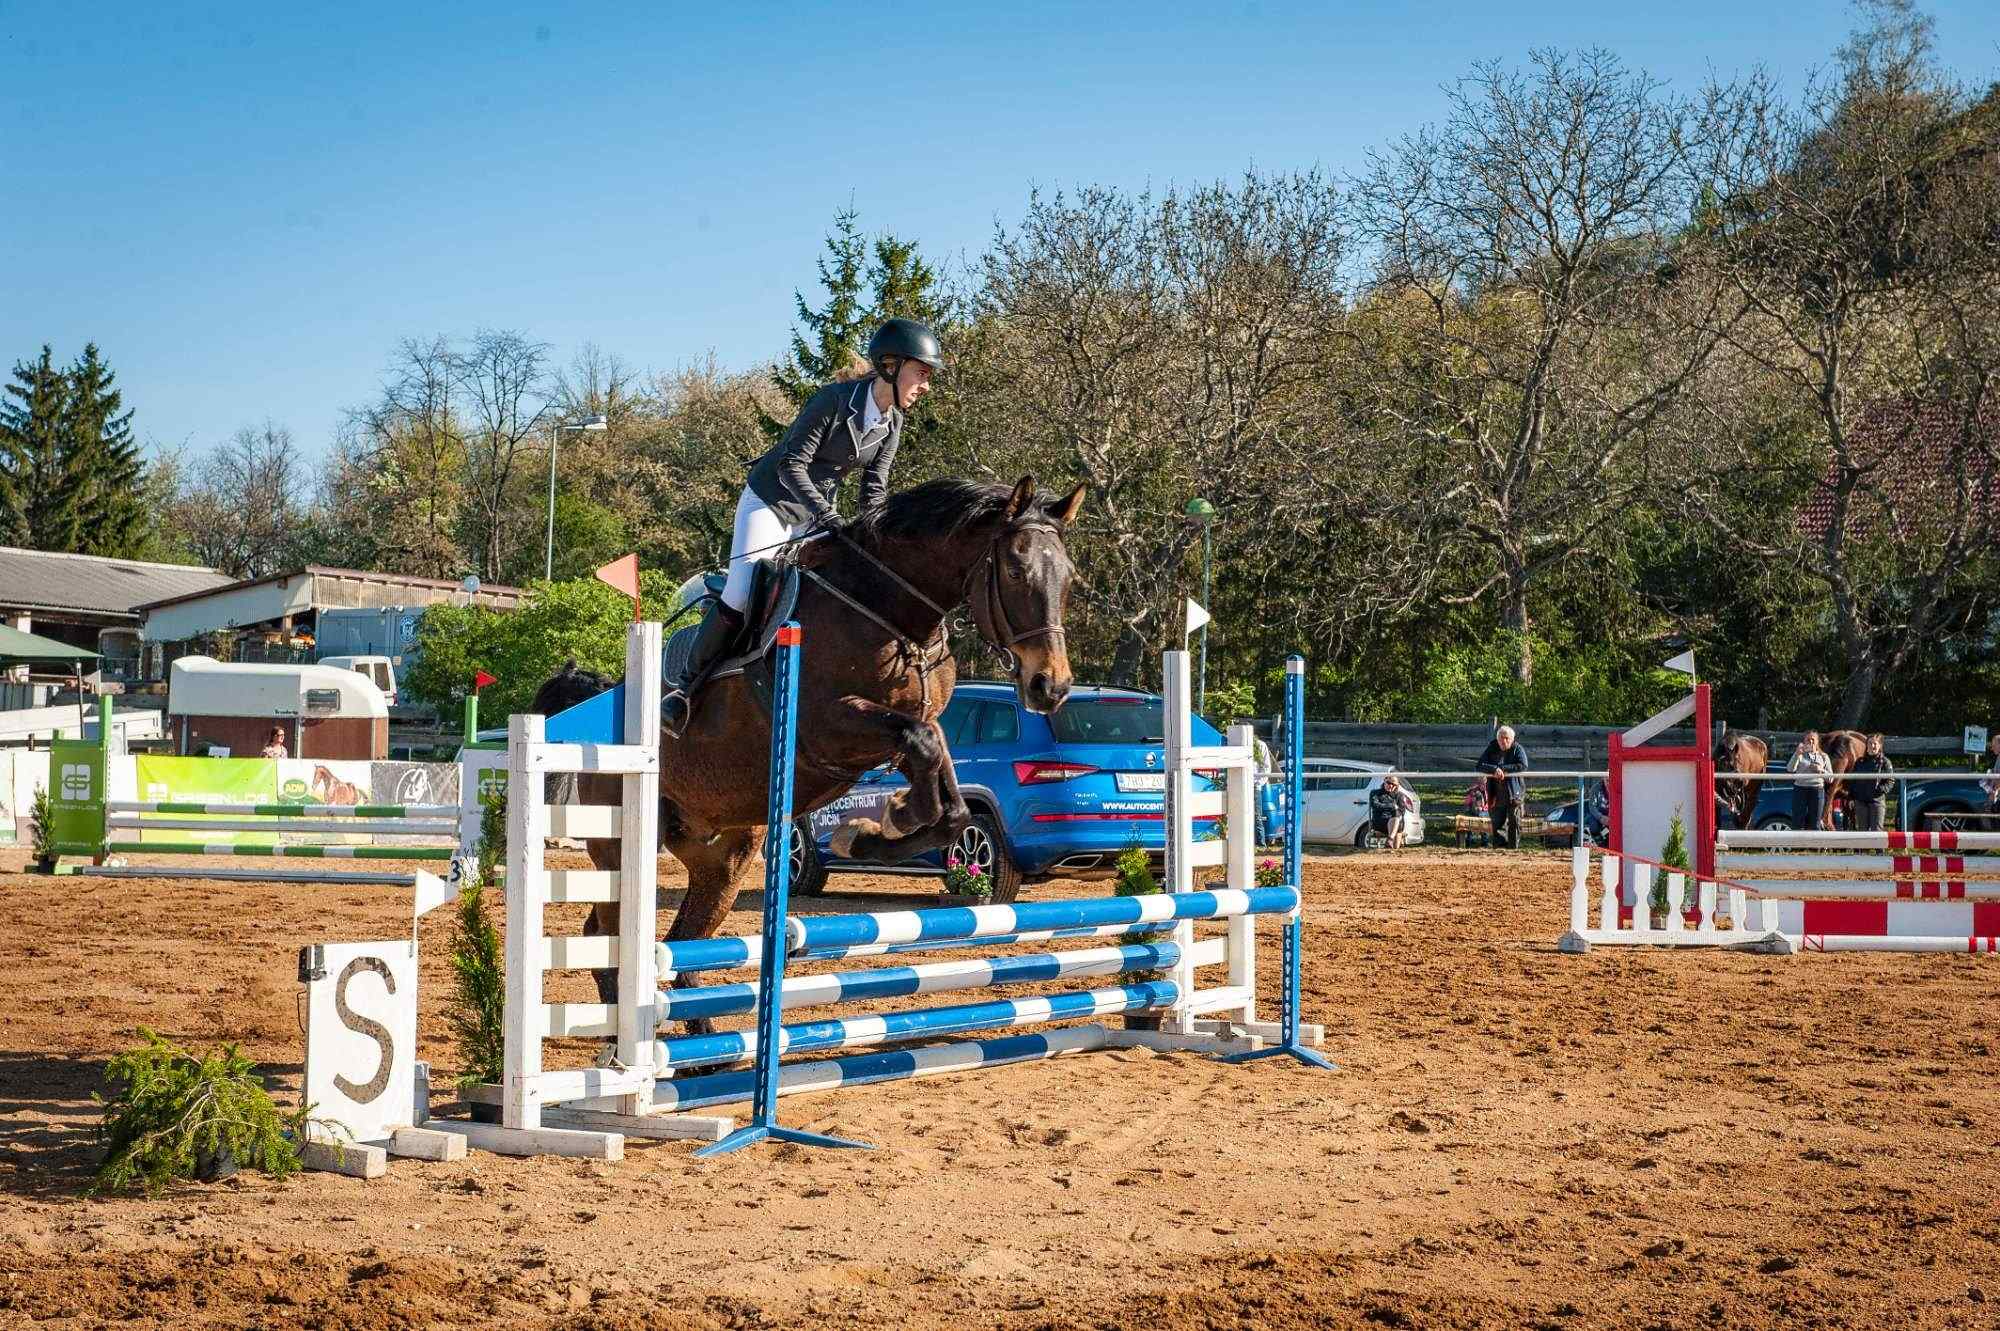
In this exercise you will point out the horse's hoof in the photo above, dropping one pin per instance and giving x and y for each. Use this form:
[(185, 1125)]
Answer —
[(842, 841)]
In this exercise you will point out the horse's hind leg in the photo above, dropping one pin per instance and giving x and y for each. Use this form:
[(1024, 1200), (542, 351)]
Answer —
[(716, 871)]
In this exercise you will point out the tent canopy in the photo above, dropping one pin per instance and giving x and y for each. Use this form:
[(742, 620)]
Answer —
[(28, 649)]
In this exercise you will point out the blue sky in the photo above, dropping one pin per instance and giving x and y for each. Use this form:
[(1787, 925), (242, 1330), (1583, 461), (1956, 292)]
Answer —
[(246, 206)]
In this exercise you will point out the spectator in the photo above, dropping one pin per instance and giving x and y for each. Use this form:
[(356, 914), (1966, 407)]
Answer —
[(1870, 799), (1809, 791), (275, 748), (1502, 762), (1597, 814), (1475, 799), (1992, 784), (1388, 803)]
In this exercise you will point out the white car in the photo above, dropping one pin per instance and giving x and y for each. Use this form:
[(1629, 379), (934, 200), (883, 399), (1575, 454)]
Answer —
[(1337, 791)]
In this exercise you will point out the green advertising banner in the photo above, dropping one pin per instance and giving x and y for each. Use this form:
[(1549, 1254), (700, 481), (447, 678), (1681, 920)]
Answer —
[(204, 781)]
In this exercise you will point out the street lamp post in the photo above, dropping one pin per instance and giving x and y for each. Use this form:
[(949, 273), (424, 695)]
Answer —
[(588, 425), (1204, 512)]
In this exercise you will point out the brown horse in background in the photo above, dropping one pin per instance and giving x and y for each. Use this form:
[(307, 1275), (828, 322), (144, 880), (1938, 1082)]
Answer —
[(1844, 748), (1749, 756), (871, 686)]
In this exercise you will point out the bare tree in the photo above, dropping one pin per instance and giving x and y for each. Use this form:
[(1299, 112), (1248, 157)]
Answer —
[(244, 510), (503, 380), (1507, 358), (403, 469), (1158, 350)]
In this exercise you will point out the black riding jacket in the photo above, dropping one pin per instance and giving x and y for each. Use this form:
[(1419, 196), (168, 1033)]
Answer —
[(800, 477)]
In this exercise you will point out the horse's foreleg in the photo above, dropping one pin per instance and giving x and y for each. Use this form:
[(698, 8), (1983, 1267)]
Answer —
[(927, 814)]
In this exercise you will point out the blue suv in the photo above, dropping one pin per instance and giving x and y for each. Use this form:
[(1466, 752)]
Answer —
[(1063, 794)]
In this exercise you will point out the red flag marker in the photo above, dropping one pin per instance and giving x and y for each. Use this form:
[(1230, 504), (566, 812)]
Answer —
[(480, 679), (623, 575)]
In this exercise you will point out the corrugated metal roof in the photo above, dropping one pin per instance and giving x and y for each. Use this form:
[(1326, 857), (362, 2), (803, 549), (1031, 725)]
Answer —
[(41, 580), (444, 587)]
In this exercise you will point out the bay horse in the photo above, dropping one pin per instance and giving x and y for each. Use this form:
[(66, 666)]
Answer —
[(1844, 748), (875, 673), (1748, 756)]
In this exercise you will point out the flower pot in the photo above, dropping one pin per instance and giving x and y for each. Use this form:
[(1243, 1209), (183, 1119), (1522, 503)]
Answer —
[(962, 899)]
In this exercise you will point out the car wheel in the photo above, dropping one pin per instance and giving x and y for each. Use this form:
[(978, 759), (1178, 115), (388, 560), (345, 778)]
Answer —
[(1777, 823), (981, 845), (808, 869)]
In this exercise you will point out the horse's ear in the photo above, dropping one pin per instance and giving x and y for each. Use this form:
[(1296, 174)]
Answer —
[(1064, 510), (1017, 503)]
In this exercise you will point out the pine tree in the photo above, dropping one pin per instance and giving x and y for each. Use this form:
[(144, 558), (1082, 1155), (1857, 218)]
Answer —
[(103, 462), (827, 338), (39, 506), (905, 286)]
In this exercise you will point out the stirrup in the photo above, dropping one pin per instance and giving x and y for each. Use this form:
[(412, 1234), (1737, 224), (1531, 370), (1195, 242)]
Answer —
[(676, 710)]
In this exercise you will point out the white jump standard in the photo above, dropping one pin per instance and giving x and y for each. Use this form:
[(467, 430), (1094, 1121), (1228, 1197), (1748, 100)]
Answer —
[(653, 1076)]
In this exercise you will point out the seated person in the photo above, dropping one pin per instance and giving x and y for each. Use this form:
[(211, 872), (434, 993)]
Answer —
[(1387, 804)]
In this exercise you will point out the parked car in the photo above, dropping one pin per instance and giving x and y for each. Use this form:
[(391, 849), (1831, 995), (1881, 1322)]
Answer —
[(1063, 794), (1336, 803), (1932, 805)]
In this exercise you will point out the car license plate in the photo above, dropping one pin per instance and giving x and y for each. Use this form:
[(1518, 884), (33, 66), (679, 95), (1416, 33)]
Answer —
[(1136, 781)]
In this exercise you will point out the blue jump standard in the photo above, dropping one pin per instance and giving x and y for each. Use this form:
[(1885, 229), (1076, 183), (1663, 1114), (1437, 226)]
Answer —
[(763, 1124), (1293, 960)]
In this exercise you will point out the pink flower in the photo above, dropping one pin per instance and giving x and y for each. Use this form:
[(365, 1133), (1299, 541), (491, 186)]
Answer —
[(974, 870)]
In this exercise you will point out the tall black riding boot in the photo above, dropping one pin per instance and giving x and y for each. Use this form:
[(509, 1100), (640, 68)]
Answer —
[(717, 632)]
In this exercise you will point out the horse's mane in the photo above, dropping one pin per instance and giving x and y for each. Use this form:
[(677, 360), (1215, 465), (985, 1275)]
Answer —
[(935, 508)]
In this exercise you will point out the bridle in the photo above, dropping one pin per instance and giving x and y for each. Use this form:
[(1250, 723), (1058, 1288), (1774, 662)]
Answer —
[(986, 599), (995, 625)]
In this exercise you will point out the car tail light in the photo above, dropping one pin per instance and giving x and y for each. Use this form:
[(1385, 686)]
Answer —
[(1212, 773), (1039, 773)]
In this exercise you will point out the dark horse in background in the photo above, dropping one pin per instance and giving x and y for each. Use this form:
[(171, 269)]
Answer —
[(870, 691), (1746, 754)]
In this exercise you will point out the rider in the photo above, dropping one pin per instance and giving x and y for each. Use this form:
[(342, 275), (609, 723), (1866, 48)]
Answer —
[(841, 427)]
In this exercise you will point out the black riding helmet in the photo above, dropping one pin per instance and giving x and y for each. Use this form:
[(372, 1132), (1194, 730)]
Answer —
[(904, 340)]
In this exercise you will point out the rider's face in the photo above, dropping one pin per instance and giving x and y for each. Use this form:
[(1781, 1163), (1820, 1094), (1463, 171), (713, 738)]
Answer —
[(913, 383)]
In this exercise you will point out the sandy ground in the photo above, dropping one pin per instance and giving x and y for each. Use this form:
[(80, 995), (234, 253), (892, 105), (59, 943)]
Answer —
[(1514, 1139)]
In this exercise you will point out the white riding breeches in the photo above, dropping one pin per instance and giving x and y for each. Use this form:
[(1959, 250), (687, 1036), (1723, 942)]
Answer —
[(760, 532)]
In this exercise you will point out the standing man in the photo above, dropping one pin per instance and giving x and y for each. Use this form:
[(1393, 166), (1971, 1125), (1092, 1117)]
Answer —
[(1503, 762)]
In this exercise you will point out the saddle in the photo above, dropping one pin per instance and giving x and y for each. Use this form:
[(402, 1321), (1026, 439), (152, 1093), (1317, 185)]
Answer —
[(774, 595)]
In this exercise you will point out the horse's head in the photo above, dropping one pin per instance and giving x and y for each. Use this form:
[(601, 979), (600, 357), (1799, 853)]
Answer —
[(1019, 591)]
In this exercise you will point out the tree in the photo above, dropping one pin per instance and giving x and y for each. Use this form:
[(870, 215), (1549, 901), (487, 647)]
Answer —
[(1851, 239), (826, 340), (400, 475), (113, 517), (1156, 349), (71, 477), (1512, 368), (244, 510), (504, 381), (41, 499)]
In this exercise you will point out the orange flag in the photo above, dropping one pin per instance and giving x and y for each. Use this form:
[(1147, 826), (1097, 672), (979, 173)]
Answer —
[(623, 575)]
